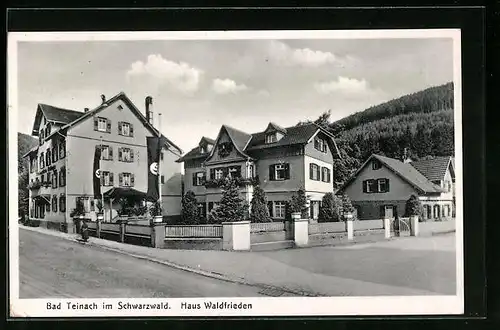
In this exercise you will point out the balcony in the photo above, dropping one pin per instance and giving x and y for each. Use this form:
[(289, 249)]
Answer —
[(35, 185)]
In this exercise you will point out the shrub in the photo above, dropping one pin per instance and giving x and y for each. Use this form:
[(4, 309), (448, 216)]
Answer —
[(414, 207), (231, 207), (156, 209), (346, 205), (298, 202), (330, 209), (259, 211), (79, 209), (189, 213)]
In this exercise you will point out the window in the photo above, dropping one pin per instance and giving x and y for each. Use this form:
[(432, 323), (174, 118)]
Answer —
[(325, 174), (320, 144), (107, 153), (62, 203), (125, 155), (376, 165), (126, 179), (279, 210), (278, 172), (48, 158), (55, 154), (271, 138), (54, 180), (369, 186), (250, 173), (125, 129), (42, 161), (107, 178), (62, 177), (48, 178), (162, 179), (235, 172), (102, 124), (54, 203), (62, 149), (198, 178), (383, 185), (314, 172), (219, 173)]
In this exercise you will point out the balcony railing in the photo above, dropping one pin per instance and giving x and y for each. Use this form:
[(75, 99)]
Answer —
[(34, 185), (241, 182)]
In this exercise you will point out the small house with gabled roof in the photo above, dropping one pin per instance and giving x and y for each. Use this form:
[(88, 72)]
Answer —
[(281, 160), (61, 166), (383, 185)]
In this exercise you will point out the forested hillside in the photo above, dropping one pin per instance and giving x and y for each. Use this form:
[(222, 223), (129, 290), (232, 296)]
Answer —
[(24, 144), (420, 123)]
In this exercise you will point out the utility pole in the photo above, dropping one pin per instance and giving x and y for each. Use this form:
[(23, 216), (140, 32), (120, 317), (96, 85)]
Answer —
[(101, 180), (159, 158)]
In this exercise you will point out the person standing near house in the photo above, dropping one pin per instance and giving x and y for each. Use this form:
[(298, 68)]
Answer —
[(85, 231)]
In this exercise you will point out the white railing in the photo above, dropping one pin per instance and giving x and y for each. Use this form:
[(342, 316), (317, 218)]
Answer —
[(194, 231), (267, 227)]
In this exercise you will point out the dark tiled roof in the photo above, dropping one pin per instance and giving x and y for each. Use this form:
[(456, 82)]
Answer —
[(59, 114), (193, 154), (274, 126), (209, 140), (410, 174), (433, 169), (239, 138), (294, 135)]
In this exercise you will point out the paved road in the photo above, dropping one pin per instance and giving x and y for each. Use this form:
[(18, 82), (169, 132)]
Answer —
[(425, 263), (52, 267)]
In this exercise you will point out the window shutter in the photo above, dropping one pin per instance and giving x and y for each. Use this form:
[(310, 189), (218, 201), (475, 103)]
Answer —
[(387, 185), (119, 128), (120, 179), (311, 170), (101, 179), (365, 183), (108, 125), (132, 179), (212, 173), (210, 206), (131, 155), (111, 178), (328, 178), (194, 179), (120, 154), (131, 130), (110, 153), (287, 171), (96, 124), (271, 173), (238, 171), (270, 207), (225, 171)]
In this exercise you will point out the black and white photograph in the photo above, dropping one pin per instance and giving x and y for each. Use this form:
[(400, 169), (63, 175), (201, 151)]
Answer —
[(235, 173)]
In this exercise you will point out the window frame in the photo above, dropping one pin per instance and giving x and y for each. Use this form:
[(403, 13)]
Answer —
[(376, 165), (123, 125), (279, 209), (216, 172), (271, 138), (368, 182), (200, 178), (385, 182), (102, 120), (281, 169), (129, 176)]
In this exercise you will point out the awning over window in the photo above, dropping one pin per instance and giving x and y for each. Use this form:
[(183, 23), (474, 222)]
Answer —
[(116, 193)]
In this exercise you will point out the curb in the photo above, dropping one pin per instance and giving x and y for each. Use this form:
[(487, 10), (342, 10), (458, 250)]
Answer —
[(204, 273)]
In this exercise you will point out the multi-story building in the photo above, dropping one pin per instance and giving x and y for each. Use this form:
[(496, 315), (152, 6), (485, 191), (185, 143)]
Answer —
[(281, 159), (61, 166)]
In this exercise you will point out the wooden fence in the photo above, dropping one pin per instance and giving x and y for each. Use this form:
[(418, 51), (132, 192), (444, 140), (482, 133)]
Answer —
[(141, 231), (327, 227), (267, 227), (193, 231), (112, 228)]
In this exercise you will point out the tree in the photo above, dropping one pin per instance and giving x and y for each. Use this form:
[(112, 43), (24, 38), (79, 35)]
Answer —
[(414, 207), (231, 207), (298, 202), (324, 119), (259, 211), (189, 213), (23, 193), (346, 205), (330, 209)]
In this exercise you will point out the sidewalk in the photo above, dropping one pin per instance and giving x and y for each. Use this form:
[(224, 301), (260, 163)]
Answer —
[(250, 268)]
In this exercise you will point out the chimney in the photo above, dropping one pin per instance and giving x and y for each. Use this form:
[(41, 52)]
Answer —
[(149, 112), (86, 110), (103, 98)]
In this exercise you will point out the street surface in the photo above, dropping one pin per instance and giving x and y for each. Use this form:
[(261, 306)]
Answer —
[(57, 268)]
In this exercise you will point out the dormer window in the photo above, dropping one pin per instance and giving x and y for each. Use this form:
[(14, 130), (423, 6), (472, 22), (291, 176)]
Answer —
[(320, 144), (271, 138)]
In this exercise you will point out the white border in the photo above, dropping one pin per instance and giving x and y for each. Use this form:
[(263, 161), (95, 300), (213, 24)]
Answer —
[(299, 306)]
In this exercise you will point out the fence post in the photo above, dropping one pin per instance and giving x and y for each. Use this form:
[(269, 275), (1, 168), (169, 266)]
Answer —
[(414, 230), (387, 227), (158, 235), (301, 232), (236, 236), (350, 229), (122, 232), (98, 229), (289, 235)]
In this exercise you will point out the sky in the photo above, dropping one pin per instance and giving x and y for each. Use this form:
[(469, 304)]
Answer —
[(199, 85)]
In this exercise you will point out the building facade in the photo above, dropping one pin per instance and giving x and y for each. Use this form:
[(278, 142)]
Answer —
[(61, 166), (281, 160), (382, 186)]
